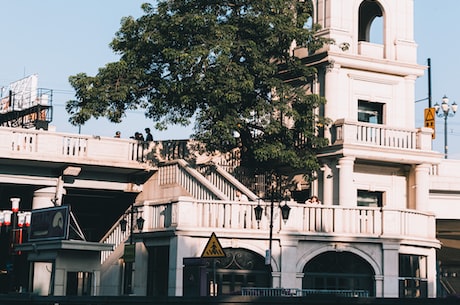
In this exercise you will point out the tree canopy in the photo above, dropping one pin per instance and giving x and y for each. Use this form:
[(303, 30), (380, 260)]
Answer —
[(228, 66)]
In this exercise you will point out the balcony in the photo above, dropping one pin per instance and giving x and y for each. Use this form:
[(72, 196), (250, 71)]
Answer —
[(381, 142), (371, 49)]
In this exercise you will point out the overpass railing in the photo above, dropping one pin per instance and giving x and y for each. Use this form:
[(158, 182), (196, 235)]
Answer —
[(22, 143)]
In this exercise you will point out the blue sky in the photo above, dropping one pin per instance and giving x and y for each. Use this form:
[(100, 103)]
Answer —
[(56, 39), (437, 38)]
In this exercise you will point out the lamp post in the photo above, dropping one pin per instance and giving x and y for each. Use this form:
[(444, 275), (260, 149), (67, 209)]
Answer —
[(285, 209), (446, 111), (12, 223), (130, 250)]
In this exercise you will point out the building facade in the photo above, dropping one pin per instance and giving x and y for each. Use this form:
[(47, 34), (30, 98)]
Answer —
[(375, 231), (383, 191)]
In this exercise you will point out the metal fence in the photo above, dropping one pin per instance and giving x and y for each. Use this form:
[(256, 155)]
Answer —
[(295, 292)]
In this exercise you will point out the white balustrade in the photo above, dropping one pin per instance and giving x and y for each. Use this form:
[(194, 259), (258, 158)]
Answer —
[(51, 146), (315, 220), (379, 135)]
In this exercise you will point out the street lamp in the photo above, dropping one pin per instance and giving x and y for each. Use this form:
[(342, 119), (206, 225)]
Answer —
[(446, 111), (285, 209), (14, 222), (129, 251)]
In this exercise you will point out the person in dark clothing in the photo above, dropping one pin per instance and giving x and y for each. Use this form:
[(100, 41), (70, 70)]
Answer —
[(138, 136), (148, 135)]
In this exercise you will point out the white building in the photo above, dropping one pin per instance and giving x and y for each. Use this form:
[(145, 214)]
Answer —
[(385, 194), (376, 229)]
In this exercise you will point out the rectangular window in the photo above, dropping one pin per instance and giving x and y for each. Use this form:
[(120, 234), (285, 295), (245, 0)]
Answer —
[(79, 283), (370, 112), (413, 281), (370, 199)]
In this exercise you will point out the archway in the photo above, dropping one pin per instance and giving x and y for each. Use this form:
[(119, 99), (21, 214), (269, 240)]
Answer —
[(339, 271), (240, 268)]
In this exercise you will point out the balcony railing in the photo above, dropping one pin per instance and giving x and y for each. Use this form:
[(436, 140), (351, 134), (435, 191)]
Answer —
[(314, 220), (352, 132)]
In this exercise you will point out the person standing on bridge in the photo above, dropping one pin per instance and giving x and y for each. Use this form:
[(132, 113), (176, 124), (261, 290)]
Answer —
[(148, 135)]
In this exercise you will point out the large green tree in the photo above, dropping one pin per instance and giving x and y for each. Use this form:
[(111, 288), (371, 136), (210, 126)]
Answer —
[(227, 65)]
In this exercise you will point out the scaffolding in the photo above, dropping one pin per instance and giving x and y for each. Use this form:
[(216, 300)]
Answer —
[(26, 106)]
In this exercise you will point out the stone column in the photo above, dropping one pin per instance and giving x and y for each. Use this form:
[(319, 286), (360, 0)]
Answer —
[(43, 197), (379, 286), (390, 270), (432, 272), (422, 186), (347, 190), (288, 267), (140, 268)]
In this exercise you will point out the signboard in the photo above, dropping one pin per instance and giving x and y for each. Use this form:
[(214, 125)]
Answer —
[(213, 248), (24, 92), (429, 121), (49, 223), (129, 253)]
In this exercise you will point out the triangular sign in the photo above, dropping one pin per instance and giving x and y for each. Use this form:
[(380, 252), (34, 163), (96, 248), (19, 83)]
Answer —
[(213, 248), (430, 113)]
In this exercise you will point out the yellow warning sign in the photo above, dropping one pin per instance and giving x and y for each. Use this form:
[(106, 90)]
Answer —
[(213, 248), (430, 119)]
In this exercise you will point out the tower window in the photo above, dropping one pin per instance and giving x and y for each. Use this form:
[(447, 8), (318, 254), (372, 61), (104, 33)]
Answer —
[(370, 112), (370, 22)]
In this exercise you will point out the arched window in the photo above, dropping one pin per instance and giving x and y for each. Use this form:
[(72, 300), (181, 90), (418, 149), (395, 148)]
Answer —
[(339, 271), (370, 27), (240, 268)]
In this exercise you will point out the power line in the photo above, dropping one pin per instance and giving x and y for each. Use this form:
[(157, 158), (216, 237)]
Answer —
[(63, 91), (423, 99)]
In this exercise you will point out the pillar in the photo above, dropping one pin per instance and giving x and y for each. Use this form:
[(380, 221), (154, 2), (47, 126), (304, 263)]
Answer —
[(422, 186), (432, 273), (347, 190), (288, 268), (43, 197), (390, 270), (140, 269)]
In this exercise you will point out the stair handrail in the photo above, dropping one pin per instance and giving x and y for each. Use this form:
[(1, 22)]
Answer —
[(115, 236), (198, 179), (232, 183)]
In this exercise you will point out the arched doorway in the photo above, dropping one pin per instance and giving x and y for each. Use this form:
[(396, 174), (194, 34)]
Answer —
[(240, 268), (339, 271)]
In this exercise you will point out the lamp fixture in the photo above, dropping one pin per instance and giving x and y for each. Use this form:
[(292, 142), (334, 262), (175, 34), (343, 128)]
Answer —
[(445, 111)]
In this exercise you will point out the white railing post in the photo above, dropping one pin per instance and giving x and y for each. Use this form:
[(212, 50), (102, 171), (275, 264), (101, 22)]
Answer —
[(424, 138)]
